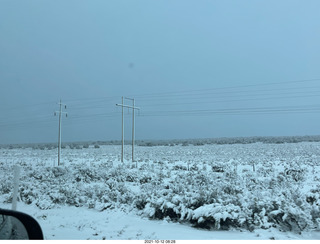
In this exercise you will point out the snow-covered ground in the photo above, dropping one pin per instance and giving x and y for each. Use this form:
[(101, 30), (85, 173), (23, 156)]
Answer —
[(65, 223), (211, 192)]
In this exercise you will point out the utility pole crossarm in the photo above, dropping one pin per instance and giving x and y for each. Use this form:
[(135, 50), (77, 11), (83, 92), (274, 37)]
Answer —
[(58, 112), (127, 106)]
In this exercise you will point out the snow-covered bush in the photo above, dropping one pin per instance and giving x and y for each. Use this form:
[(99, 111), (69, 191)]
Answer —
[(6, 186), (28, 193), (218, 216), (220, 191), (44, 202), (219, 200)]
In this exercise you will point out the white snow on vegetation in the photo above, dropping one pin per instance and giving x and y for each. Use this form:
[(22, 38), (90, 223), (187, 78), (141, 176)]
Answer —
[(208, 192)]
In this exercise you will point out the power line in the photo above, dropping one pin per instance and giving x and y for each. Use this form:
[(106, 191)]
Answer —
[(75, 118), (246, 93), (232, 100), (173, 93), (232, 111), (30, 115), (226, 88), (187, 94)]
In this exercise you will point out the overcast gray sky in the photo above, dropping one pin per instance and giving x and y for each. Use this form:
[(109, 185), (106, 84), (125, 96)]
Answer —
[(197, 69)]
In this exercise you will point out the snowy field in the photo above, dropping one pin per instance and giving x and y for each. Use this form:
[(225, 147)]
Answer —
[(210, 192)]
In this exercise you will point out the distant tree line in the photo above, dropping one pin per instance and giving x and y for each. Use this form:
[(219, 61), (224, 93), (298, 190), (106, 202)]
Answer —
[(231, 140), (176, 142)]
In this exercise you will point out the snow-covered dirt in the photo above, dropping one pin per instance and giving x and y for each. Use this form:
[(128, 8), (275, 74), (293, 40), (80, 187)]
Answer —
[(222, 192), (65, 223)]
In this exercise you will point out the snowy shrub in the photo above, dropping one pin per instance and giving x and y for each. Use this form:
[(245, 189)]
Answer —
[(140, 201), (143, 166), (122, 193), (28, 194), (217, 168), (59, 171), (87, 174), (160, 208), (44, 203), (130, 178), (145, 179), (71, 194), (217, 192), (57, 197), (292, 212), (118, 173), (6, 186), (297, 175), (313, 199), (194, 167), (149, 211), (233, 201), (179, 166), (167, 209), (7, 198), (256, 211), (102, 206), (217, 215), (290, 219)]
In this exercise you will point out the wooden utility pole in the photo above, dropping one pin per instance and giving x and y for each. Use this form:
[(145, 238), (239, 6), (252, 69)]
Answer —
[(133, 108), (59, 134)]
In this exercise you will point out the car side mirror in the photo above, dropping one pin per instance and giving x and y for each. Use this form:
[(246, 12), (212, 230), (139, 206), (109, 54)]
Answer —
[(16, 225)]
